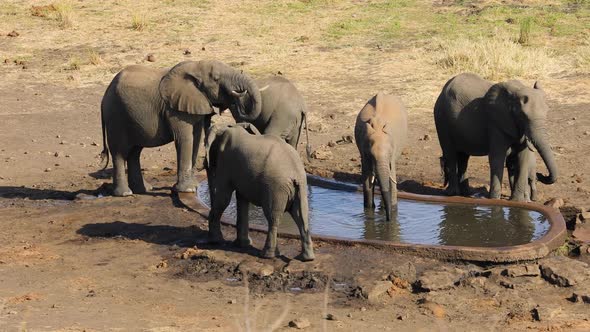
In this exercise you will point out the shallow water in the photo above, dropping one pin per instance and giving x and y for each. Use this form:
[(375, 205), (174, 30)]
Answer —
[(340, 213)]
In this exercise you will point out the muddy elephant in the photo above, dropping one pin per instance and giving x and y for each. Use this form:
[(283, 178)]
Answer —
[(380, 133), (283, 110), (474, 117), (147, 107), (263, 170)]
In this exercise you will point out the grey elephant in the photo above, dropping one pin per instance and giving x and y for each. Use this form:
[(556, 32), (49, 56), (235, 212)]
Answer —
[(283, 110), (263, 170), (380, 133), (474, 117), (528, 159), (147, 107)]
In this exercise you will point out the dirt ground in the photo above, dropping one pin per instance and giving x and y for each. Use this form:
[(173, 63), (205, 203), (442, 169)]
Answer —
[(73, 258)]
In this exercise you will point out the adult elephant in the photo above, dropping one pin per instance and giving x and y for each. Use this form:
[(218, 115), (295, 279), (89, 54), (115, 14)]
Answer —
[(283, 110), (474, 117), (147, 107)]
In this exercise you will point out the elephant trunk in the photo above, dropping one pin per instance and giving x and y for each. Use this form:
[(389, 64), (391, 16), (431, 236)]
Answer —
[(241, 86), (538, 138), (383, 175)]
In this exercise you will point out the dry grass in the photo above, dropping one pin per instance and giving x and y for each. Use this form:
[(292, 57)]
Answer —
[(497, 57), (94, 58), (139, 22), (74, 64), (582, 57), (64, 14)]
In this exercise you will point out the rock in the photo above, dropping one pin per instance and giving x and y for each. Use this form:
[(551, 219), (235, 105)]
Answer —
[(58, 154), (439, 280), (232, 301), (349, 315), (331, 317), (545, 312), (151, 58), (375, 291), (531, 270), (57, 136), (300, 323), (406, 271), (581, 295), (266, 270), (563, 271), (95, 144), (582, 233), (331, 144), (48, 169), (322, 154), (13, 33), (346, 139), (188, 253), (555, 203), (426, 138), (187, 52), (63, 142), (585, 216), (68, 156), (399, 283), (363, 309), (162, 265), (402, 316)]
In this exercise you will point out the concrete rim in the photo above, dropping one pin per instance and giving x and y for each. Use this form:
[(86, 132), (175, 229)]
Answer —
[(541, 247)]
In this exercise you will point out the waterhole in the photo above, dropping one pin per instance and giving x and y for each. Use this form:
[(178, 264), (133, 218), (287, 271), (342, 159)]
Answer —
[(340, 213)]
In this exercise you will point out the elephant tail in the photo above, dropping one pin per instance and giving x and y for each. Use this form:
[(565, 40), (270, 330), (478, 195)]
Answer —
[(308, 146), (301, 196), (105, 150)]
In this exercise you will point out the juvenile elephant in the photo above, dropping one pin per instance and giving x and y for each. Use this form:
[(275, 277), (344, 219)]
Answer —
[(283, 110), (474, 117), (262, 170), (147, 107), (380, 133)]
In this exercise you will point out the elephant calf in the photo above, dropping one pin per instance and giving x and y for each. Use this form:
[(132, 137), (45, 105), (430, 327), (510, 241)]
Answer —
[(380, 132), (262, 170), (283, 111)]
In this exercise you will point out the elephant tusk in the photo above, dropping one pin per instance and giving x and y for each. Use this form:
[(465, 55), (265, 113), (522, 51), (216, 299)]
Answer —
[(264, 88), (238, 94), (392, 179)]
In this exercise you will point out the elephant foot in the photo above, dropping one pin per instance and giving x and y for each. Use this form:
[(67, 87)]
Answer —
[(185, 187), (464, 188), (306, 256), (242, 243), (269, 253), (141, 188), (452, 192), (122, 192)]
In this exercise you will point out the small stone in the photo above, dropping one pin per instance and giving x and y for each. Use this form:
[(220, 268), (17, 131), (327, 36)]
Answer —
[(376, 290), (68, 156), (56, 165), (151, 58), (48, 169), (322, 154), (363, 309), (555, 203), (349, 315), (266, 270), (162, 265), (300, 323), (581, 295), (187, 52), (63, 142), (83, 145), (439, 280), (25, 152), (585, 216), (57, 136), (95, 144), (402, 316), (531, 270), (13, 33), (426, 138), (543, 313), (354, 159), (406, 271), (12, 312), (331, 317), (587, 133), (232, 301), (563, 271), (58, 154), (188, 253), (203, 48), (331, 144)]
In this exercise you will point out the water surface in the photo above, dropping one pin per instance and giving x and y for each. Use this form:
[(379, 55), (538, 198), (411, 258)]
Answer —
[(340, 213)]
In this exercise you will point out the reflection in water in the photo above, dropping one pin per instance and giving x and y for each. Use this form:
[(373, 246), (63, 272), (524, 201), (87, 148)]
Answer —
[(341, 214)]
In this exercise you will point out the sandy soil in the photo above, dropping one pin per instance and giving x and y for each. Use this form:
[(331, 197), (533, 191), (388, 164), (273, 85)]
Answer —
[(72, 262)]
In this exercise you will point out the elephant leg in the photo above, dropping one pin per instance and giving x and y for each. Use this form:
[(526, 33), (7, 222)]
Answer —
[(136, 180), (273, 211), (368, 186), (393, 186), (242, 239), (222, 199), (294, 136), (497, 159), (521, 191), (300, 215), (119, 178), (533, 186), (451, 169), (462, 162), (200, 130), (182, 128)]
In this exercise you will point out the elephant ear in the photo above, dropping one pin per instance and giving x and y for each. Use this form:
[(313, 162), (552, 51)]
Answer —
[(210, 151), (180, 90)]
